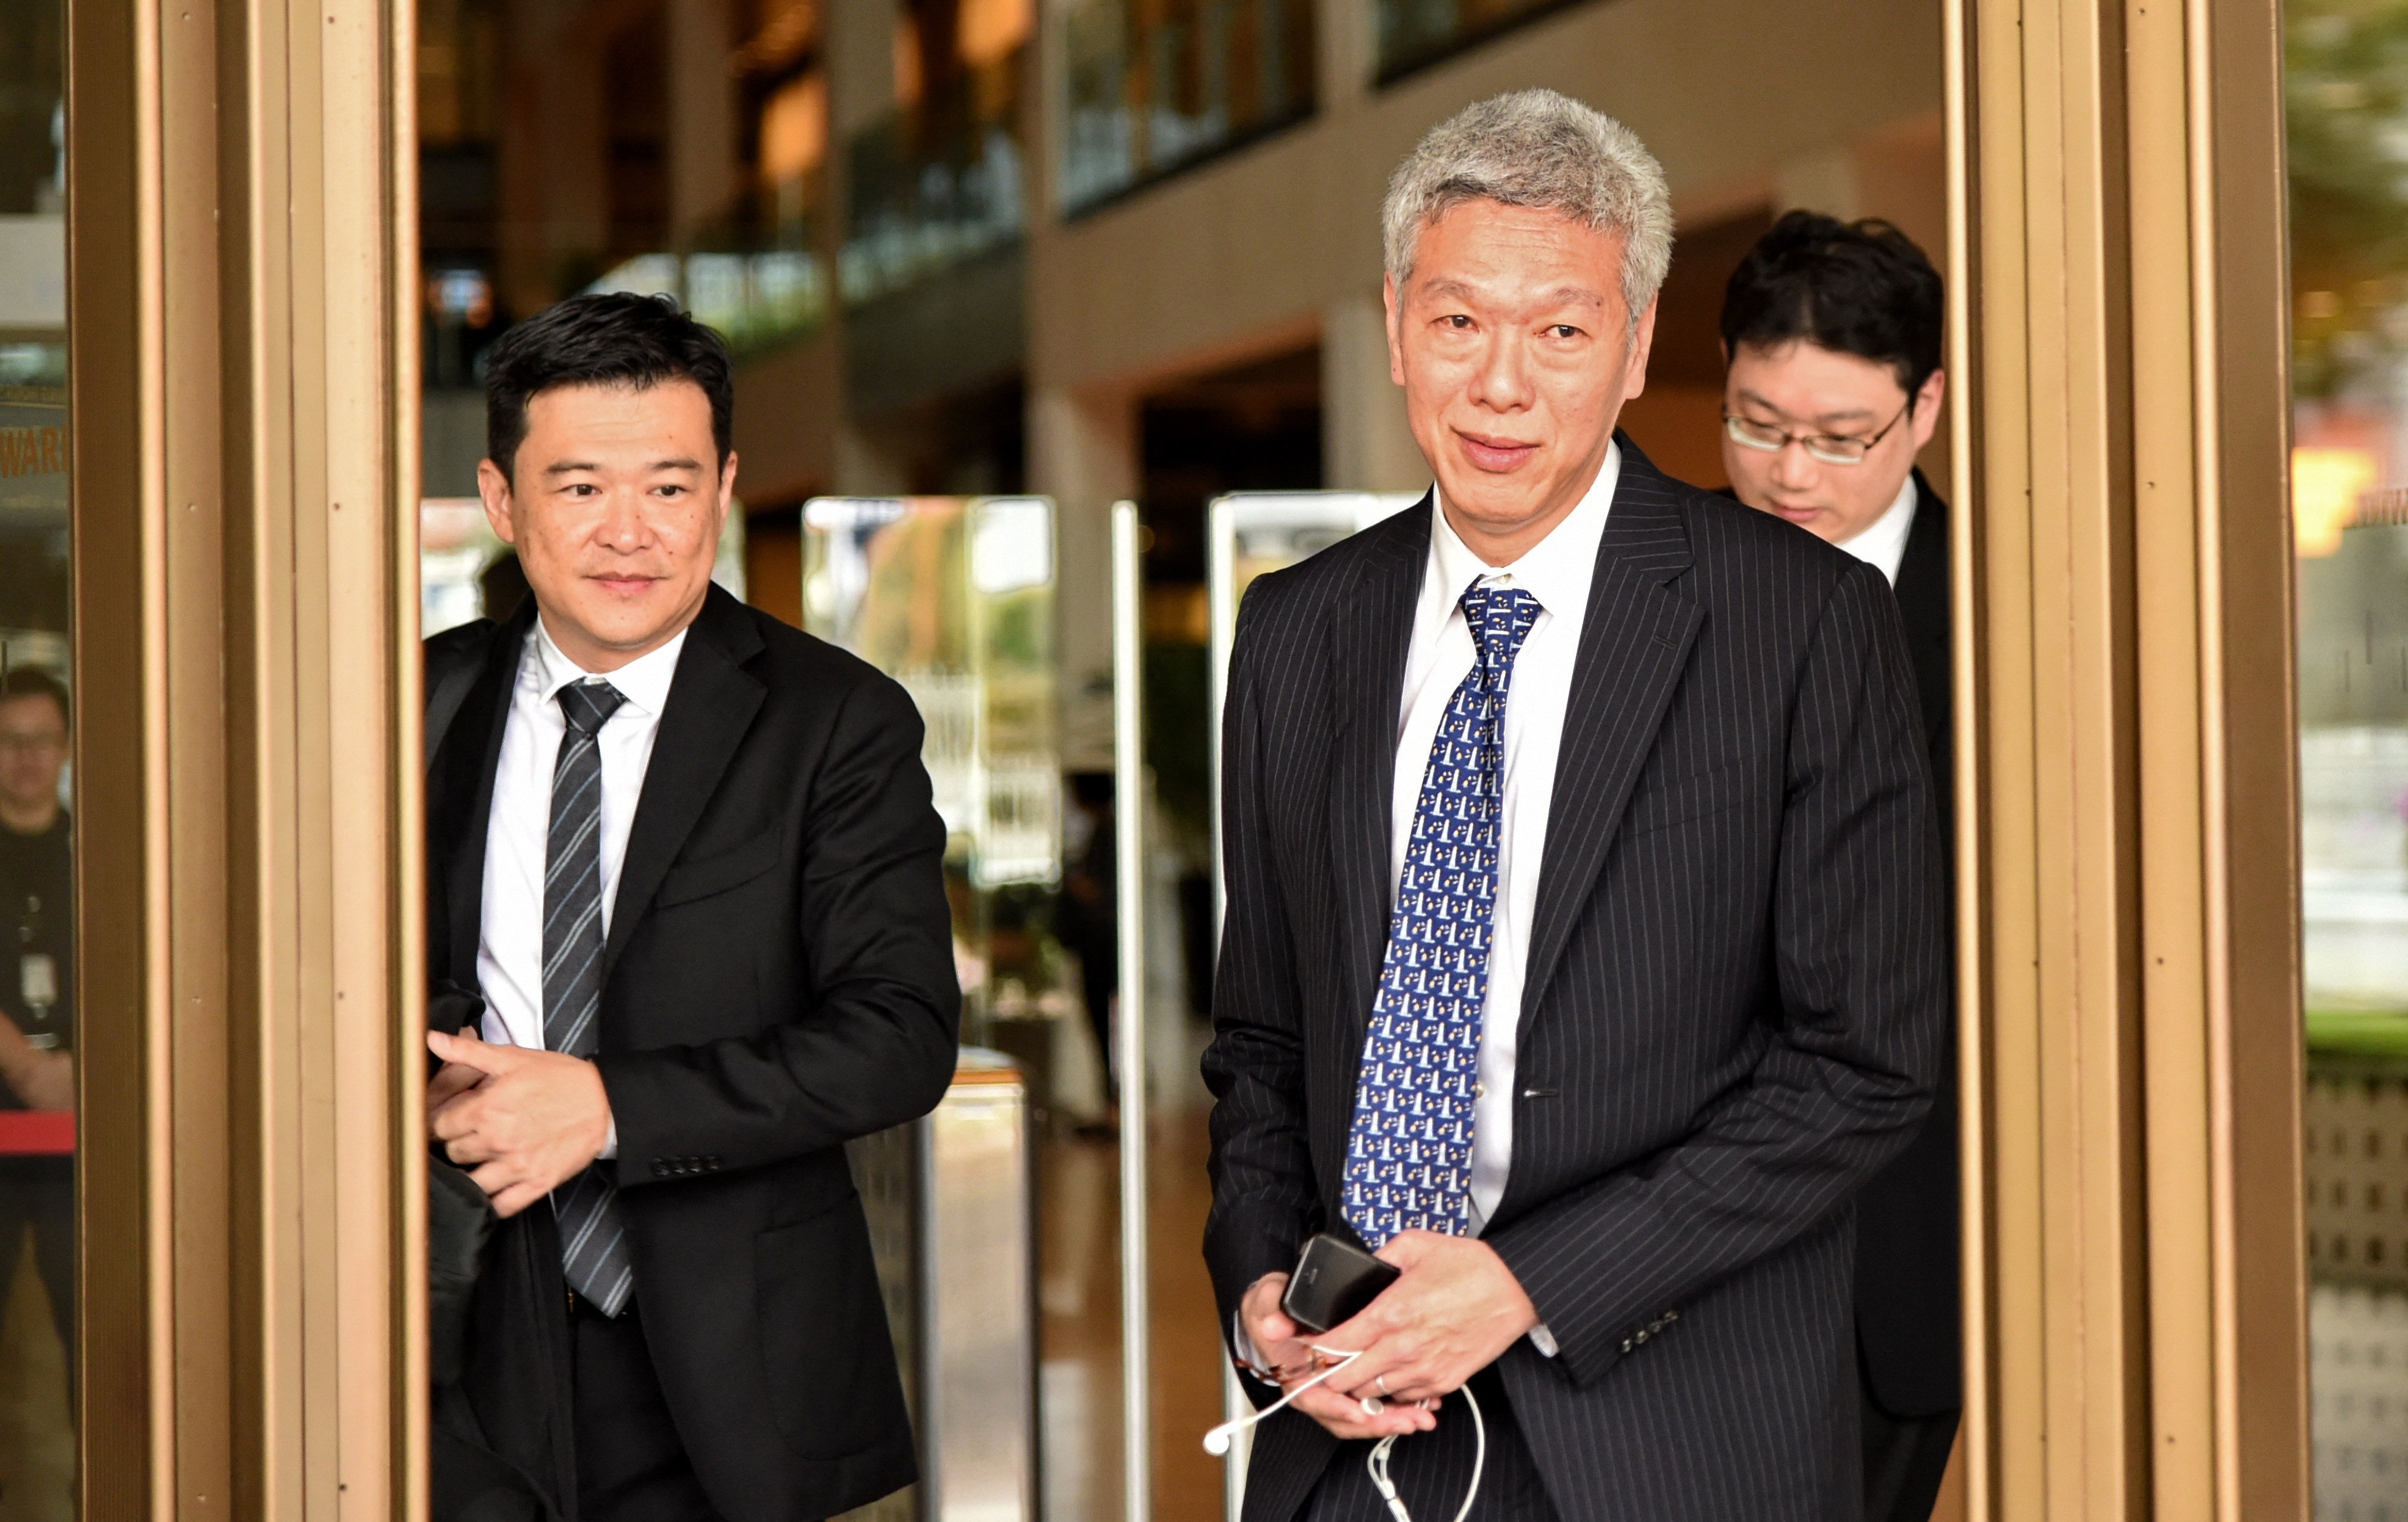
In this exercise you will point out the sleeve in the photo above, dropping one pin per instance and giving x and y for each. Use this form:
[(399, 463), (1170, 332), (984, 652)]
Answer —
[(1860, 955), (1263, 1199), (875, 1044)]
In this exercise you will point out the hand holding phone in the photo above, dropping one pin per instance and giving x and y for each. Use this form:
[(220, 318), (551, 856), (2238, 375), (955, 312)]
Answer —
[(1334, 1280)]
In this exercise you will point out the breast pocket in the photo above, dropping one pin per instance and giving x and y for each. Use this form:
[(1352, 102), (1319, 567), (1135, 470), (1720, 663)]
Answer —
[(719, 873), (1683, 799)]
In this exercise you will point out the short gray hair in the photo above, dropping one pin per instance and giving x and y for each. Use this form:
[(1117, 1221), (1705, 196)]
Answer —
[(1535, 147)]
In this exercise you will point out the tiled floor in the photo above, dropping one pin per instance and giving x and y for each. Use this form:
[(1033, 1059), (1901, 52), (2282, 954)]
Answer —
[(36, 1443), (1080, 1298)]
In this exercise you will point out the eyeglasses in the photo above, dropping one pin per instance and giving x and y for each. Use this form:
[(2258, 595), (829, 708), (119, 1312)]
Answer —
[(1831, 449)]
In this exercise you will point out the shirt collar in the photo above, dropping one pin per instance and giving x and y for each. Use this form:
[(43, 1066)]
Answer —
[(1556, 570), (643, 681), (1883, 543)]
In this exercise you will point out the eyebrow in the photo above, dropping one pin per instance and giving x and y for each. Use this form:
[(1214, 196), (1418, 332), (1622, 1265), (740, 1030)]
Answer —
[(1836, 415), (1577, 295), (570, 467)]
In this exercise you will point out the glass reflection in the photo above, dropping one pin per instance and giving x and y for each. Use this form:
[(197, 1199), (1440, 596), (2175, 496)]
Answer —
[(2347, 88), (1155, 87), (37, 989)]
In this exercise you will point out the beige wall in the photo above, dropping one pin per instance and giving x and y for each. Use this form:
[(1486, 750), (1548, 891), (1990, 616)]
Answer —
[(788, 409)]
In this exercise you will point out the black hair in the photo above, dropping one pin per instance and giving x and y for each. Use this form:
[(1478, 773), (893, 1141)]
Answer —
[(1858, 288), (603, 339), (32, 682)]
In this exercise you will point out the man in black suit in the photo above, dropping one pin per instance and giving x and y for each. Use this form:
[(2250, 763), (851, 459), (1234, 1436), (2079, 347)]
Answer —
[(1584, 953), (1832, 332), (687, 922)]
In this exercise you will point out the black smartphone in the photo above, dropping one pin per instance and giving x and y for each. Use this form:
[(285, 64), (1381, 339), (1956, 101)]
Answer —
[(1332, 1282)]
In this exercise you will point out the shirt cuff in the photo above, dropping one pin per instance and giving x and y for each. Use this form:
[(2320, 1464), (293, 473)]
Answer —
[(1250, 1358), (610, 1150), (1543, 1339)]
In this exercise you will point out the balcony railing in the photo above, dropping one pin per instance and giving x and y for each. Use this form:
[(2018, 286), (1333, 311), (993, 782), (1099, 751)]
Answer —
[(758, 277), (935, 184), (1155, 87), (1415, 33)]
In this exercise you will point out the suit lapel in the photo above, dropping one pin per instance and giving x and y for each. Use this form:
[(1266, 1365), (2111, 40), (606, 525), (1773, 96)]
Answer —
[(1634, 644), (1372, 640), (711, 703), (461, 793)]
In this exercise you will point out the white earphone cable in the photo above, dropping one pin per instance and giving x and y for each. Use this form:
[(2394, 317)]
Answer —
[(1217, 1441), (1377, 1463)]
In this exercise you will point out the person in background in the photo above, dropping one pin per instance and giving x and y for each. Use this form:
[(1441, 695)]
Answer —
[(1087, 920), (687, 936), (37, 979), (1584, 953), (1831, 332)]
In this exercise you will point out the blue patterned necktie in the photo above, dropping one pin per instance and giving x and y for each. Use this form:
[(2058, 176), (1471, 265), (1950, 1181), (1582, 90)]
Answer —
[(1409, 1150), (592, 1250)]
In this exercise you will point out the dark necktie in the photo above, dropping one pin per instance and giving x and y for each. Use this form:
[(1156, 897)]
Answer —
[(592, 1248), (1409, 1150)]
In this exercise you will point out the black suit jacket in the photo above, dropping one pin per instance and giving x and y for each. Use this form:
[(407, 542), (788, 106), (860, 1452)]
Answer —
[(1732, 1010), (1908, 1333), (779, 979)]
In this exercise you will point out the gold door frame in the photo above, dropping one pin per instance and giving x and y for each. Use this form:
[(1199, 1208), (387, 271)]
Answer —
[(243, 323), (2136, 1324)]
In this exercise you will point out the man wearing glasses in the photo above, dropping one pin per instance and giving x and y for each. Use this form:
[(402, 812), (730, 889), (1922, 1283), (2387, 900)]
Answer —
[(1832, 333)]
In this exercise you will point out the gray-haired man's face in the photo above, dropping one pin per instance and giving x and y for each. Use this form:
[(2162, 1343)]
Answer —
[(1516, 351)]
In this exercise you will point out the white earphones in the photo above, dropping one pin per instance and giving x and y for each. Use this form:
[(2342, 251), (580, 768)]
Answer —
[(1217, 1441)]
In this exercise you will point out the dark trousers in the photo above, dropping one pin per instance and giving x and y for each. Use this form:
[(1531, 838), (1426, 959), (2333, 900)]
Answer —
[(38, 1193), (631, 1464), (1906, 1457), (1432, 1470)]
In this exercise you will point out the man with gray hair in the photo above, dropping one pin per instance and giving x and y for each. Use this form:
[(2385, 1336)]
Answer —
[(1583, 950)]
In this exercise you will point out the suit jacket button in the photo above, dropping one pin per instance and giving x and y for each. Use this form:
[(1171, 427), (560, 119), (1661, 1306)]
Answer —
[(1628, 1344), (660, 1168), (1642, 1334)]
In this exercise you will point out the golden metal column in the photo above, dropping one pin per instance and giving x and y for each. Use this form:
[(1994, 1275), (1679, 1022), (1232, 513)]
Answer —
[(2135, 1309), (243, 325)]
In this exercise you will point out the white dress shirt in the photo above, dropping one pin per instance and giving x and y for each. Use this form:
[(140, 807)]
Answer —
[(518, 830), (1558, 572), (1882, 542)]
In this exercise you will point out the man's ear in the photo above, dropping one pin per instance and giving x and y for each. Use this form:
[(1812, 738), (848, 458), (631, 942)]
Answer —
[(1390, 299), (1642, 344), (494, 490), (727, 485), (1927, 398)]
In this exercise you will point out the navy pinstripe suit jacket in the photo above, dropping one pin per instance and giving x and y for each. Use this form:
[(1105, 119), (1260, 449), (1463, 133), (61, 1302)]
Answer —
[(1733, 1010)]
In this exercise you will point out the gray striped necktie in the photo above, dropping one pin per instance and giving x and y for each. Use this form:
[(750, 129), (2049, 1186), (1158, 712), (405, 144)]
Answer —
[(592, 1248)]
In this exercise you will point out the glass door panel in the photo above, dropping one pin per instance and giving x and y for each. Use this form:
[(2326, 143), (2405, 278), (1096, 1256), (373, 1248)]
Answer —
[(953, 597), (2347, 87), (37, 966)]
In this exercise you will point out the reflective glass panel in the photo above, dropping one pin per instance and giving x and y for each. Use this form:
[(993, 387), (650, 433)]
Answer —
[(2348, 150), (935, 180), (37, 966), (1155, 87), (1417, 31)]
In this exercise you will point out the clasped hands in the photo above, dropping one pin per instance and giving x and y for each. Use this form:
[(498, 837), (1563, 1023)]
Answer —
[(1454, 1310), (522, 1120)]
